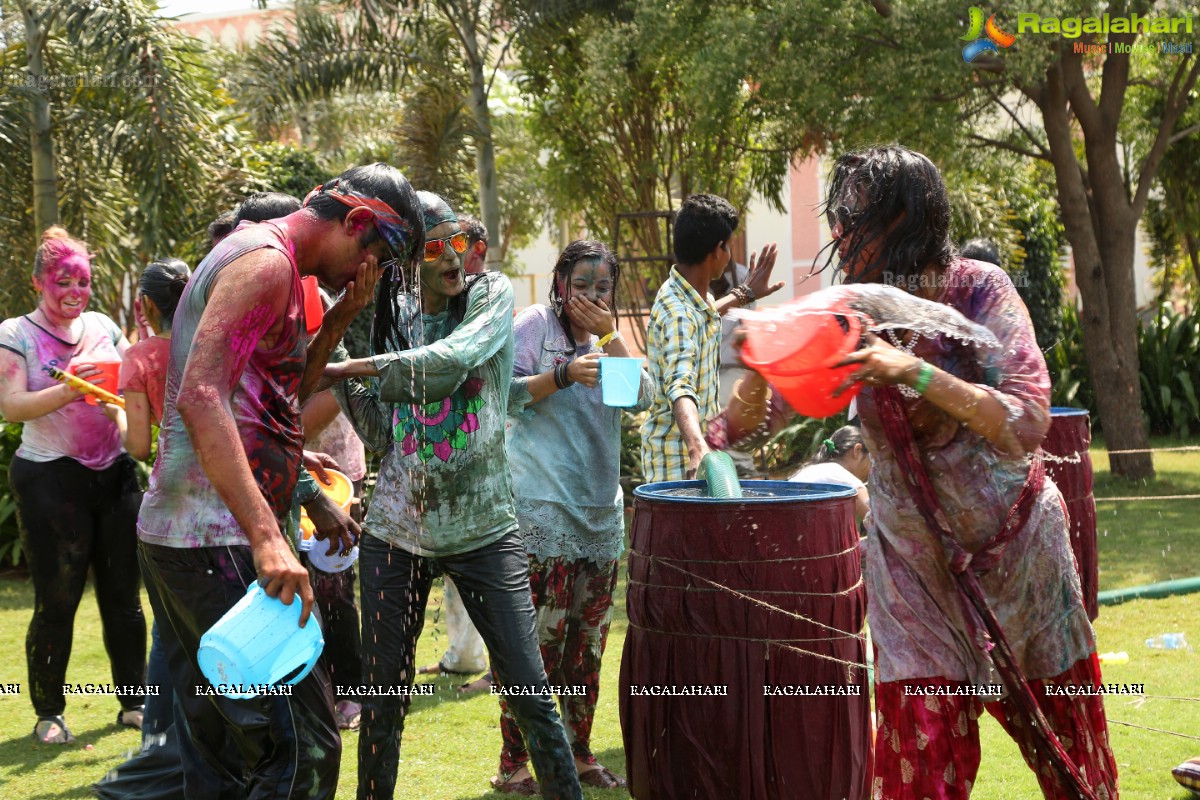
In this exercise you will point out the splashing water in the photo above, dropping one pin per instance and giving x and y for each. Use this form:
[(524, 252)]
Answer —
[(882, 309)]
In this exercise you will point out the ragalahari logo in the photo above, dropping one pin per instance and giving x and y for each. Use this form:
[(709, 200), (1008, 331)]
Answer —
[(984, 37)]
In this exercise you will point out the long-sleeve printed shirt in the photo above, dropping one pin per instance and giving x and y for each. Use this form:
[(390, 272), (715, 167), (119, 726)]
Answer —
[(439, 410), (683, 346)]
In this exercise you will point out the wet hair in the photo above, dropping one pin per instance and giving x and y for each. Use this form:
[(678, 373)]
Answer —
[(572, 254), (473, 228), (981, 250), (57, 246), (163, 282), (872, 189), (262, 206), (703, 222), (222, 226), (388, 184), (839, 444)]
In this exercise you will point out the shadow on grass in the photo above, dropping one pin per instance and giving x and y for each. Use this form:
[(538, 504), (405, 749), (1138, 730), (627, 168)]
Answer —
[(21, 754), (16, 592), (613, 758)]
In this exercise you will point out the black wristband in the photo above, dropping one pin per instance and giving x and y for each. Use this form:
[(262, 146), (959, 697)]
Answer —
[(561, 380)]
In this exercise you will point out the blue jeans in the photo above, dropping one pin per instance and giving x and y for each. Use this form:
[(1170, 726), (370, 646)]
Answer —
[(494, 584)]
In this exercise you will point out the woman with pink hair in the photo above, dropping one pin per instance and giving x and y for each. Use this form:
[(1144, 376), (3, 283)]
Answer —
[(75, 487)]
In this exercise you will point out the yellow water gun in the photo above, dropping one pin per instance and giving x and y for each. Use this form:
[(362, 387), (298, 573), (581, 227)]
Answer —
[(80, 385)]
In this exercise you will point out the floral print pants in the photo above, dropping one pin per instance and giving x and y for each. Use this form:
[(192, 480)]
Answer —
[(927, 746), (574, 607)]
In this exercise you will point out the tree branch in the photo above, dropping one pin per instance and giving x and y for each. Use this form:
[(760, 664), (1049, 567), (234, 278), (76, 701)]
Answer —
[(1029, 134), (1183, 134), (1080, 99), (985, 141), (1114, 79), (1178, 99), (882, 7)]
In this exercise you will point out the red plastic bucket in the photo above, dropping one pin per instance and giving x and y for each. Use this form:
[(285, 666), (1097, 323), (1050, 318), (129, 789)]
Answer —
[(796, 353), (314, 311), (107, 380)]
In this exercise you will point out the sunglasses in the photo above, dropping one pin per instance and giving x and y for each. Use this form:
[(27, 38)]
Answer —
[(435, 247)]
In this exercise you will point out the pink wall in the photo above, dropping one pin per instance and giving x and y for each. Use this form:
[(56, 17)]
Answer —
[(805, 180)]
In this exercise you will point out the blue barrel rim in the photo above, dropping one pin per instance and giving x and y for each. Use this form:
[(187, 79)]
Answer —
[(797, 492), (1068, 411)]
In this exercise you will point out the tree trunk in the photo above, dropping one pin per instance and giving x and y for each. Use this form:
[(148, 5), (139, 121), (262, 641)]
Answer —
[(1193, 252), (45, 181), (485, 155), (1100, 225)]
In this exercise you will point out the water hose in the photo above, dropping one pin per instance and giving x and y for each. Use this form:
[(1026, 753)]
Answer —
[(718, 469), (1151, 591)]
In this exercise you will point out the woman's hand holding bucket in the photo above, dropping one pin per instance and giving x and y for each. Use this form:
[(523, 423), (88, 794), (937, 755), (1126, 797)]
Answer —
[(585, 370), (881, 364)]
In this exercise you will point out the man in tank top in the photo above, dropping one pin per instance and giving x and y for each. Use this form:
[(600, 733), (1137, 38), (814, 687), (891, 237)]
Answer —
[(230, 453)]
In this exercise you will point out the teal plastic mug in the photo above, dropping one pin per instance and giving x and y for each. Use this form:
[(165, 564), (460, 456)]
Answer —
[(620, 379)]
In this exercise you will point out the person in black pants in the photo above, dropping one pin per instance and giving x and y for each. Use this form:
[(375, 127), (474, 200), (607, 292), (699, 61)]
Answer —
[(76, 490)]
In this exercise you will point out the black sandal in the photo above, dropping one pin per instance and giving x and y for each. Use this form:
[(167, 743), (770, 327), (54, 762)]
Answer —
[(63, 736), (140, 711)]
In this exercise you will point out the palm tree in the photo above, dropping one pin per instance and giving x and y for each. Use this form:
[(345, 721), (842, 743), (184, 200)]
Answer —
[(114, 124), (372, 45)]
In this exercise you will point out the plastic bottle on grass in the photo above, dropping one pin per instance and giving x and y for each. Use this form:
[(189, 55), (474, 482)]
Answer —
[(1168, 641)]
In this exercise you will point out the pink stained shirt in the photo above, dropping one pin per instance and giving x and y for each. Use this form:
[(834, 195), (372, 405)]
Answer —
[(145, 370), (78, 430)]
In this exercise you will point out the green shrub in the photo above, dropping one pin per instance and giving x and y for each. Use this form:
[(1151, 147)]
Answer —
[(1169, 357), (10, 539)]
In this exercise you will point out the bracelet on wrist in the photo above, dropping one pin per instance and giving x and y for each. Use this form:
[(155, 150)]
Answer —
[(561, 379), (759, 403), (924, 377), (609, 338), (744, 294)]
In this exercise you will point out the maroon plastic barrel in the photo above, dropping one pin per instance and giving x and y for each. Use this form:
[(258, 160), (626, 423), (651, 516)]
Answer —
[(720, 592), (1069, 464)]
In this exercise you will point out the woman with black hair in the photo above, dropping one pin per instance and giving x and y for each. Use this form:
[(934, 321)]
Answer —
[(568, 497), (443, 499), (841, 459), (143, 380), (974, 599)]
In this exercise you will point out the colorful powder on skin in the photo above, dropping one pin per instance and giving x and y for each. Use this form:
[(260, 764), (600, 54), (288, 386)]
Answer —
[(244, 338), (67, 281)]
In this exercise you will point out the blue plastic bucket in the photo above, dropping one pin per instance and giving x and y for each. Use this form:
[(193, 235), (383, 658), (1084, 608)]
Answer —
[(620, 379), (259, 642)]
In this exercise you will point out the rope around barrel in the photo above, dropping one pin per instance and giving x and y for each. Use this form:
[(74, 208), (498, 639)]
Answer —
[(785, 592), (768, 642), (845, 552), (1112, 721), (735, 593)]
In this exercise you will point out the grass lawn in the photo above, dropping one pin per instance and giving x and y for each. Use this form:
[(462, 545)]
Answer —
[(451, 744)]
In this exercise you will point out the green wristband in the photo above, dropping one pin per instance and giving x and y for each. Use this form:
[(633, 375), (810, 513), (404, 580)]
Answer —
[(924, 378)]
